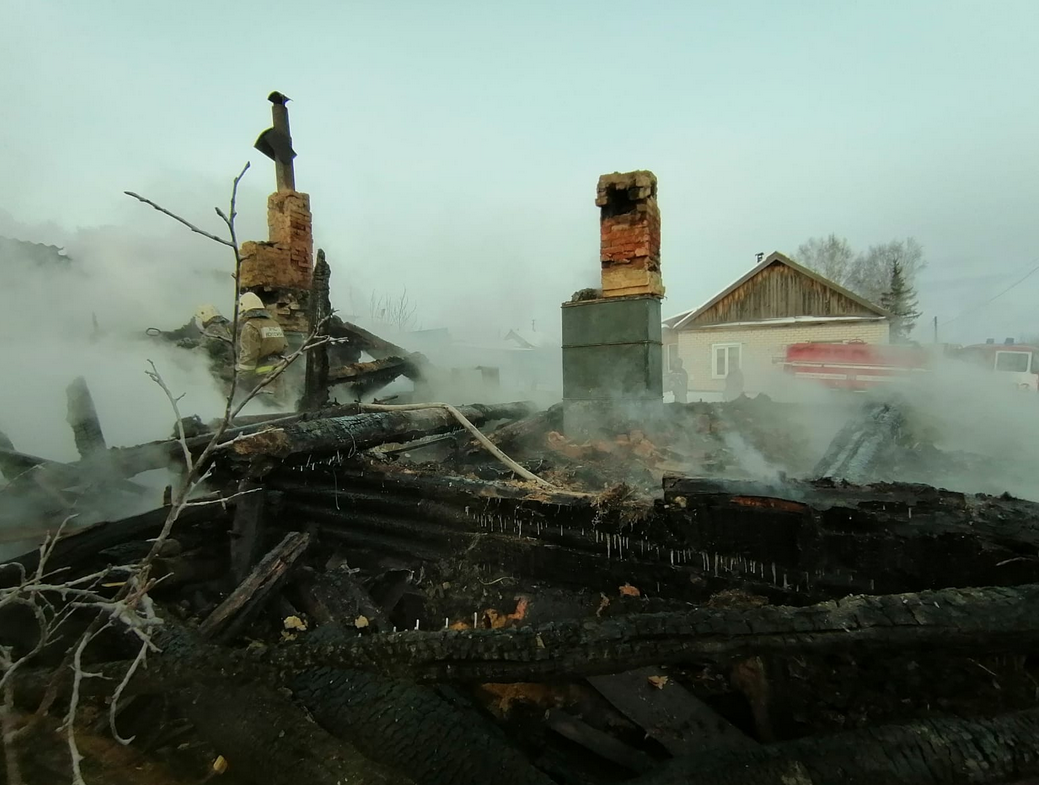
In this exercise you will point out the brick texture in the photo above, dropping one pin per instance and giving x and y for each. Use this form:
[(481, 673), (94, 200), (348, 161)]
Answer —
[(280, 269), (759, 347), (286, 259), (629, 234)]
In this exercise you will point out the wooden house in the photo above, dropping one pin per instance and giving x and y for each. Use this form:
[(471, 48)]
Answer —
[(750, 324)]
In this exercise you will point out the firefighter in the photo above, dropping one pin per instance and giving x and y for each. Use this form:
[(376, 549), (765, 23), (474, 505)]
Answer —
[(211, 324), (261, 342)]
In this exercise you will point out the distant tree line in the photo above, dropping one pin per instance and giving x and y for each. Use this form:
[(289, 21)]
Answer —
[(883, 274)]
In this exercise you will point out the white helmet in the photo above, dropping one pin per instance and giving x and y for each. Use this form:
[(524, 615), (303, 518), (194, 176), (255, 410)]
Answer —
[(206, 313), (250, 302)]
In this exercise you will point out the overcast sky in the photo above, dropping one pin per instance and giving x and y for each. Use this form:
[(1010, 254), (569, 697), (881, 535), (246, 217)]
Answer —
[(455, 146)]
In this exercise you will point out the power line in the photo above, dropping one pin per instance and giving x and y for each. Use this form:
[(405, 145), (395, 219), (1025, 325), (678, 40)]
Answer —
[(969, 311)]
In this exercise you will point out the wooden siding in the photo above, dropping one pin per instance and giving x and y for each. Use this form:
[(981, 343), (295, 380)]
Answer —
[(778, 292)]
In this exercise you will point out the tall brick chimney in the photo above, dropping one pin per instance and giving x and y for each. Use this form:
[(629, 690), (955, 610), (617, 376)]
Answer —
[(612, 348), (280, 269), (629, 231)]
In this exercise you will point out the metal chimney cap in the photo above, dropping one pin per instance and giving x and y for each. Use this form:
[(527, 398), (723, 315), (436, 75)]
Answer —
[(278, 98)]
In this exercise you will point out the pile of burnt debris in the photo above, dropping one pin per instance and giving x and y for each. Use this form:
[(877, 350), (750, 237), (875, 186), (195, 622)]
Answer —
[(378, 599)]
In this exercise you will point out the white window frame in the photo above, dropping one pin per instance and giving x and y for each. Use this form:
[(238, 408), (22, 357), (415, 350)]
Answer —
[(717, 347), (672, 355), (995, 364)]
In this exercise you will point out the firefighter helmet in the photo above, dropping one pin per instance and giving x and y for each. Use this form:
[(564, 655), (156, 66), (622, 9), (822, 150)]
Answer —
[(250, 302), (206, 313)]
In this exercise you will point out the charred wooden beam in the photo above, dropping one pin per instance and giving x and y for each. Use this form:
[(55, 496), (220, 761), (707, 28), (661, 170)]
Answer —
[(315, 385), (337, 597), (971, 621), (668, 712), (365, 377), (247, 529), (602, 744), (995, 619), (128, 461), (529, 430), (941, 751), (876, 538), (84, 548), (412, 728), (861, 445), (82, 417), (232, 614), (269, 740), (371, 343), (352, 434)]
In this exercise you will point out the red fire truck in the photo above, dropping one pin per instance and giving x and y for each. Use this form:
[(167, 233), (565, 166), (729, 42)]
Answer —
[(859, 366)]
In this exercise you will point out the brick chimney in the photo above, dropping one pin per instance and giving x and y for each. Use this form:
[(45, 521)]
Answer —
[(280, 270), (629, 227)]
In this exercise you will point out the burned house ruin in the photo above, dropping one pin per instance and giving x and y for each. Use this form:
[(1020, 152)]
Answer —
[(597, 592)]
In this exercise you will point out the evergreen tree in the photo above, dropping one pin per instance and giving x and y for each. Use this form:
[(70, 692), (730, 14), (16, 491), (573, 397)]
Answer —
[(900, 300)]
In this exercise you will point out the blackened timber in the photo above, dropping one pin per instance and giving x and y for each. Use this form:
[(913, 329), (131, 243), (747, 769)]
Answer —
[(602, 744), (348, 435), (83, 548), (247, 529), (667, 711), (876, 538), (529, 430), (365, 377), (338, 597), (410, 727), (939, 751), (83, 419), (128, 461), (371, 343), (972, 621), (229, 618), (267, 738), (315, 384)]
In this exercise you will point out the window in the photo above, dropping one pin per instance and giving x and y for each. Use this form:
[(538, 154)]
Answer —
[(672, 355), (726, 357), (1015, 362)]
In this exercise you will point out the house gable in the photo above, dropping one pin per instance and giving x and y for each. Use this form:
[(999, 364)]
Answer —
[(779, 288)]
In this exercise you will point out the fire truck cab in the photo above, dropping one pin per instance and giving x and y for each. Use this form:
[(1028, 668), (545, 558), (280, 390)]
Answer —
[(1018, 362)]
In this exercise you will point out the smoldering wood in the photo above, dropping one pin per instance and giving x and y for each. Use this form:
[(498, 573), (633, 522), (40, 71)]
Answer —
[(877, 538), (83, 549), (940, 751), (269, 740), (128, 461), (862, 444), (598, 742), (349, 435), (315, 385), (373, 345), (337, 597), (956, 621), (672, 715), (527, 431), (365, 377), (231, 616), (247, 530), (412, 728), (83, 419)]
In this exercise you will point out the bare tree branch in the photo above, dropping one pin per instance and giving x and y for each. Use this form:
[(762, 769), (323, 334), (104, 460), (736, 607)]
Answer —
[(176, 217)]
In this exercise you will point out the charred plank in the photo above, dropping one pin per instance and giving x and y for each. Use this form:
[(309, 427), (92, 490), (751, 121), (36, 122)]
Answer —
[(232, 614)]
